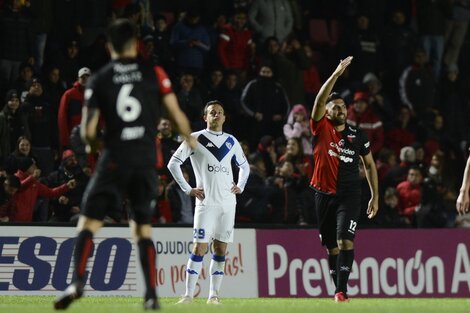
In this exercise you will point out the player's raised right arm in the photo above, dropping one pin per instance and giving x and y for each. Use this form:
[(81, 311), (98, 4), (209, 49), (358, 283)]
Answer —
[(463, 201), (319, 107), (179, 118)]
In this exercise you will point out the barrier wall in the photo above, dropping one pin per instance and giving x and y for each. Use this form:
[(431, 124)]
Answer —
[(264, 263)]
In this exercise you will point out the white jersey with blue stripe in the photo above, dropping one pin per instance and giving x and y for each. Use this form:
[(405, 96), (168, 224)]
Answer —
[(212, 164)]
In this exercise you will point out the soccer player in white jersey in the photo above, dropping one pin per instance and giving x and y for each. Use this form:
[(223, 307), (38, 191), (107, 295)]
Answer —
[(215, 190)]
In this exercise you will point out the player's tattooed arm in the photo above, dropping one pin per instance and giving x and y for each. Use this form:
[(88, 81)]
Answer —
[(88, 128), (319, 106)]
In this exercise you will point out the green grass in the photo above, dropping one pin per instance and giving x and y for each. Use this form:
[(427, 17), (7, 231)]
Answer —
[(35, 304)]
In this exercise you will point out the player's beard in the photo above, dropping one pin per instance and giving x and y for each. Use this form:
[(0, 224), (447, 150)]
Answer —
[(338, 121)]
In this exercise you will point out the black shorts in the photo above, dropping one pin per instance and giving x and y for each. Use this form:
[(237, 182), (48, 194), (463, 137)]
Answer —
[(112, 182), (337, 216)]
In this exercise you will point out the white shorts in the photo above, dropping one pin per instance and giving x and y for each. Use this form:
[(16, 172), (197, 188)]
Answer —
[(214, 222)]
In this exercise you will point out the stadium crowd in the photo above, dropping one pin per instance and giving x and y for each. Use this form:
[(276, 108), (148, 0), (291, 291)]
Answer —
[(265, 61)]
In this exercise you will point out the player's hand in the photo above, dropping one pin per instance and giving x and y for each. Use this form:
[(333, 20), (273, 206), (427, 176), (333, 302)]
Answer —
[(463, 203), (192, 142), (343, 64), (72, 183), (198, 193), (372, 208), (235, 189)]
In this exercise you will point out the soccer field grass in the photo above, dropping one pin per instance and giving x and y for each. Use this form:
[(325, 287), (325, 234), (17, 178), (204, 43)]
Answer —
[(33, 304)]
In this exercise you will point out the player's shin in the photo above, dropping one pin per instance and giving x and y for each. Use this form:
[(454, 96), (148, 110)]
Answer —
[(147, 255), (193, 269), (216, 274), (83, 248), (332, 262), (345, 261)]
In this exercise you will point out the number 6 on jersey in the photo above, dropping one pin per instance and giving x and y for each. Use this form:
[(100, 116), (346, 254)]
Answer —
[(128, 108)]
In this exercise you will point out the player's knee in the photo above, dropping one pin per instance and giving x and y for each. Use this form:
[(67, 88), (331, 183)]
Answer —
[(345, 244), (333, 251), (200, 248)]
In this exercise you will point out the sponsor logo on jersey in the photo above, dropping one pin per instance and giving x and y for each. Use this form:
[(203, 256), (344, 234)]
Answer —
[(217, 169)]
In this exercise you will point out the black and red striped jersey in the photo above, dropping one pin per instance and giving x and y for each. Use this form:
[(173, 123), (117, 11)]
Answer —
[(336, 156), (128, 94)]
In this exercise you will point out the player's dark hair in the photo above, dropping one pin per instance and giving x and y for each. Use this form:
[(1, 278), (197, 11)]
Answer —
[(120, 33), (212, 102), (334, 96)]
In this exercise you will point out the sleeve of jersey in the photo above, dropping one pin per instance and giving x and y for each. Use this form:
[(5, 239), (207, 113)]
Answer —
[(240, 160), (174, 166), (365, 144), (90, 96), (164, 83), (315, 126)]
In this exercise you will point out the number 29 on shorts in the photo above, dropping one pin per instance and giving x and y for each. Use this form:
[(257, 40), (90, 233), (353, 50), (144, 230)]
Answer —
[(199, 233)]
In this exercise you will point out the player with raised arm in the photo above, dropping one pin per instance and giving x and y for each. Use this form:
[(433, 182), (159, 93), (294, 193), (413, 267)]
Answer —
[(215, 191), (128, 95), (336, 181)]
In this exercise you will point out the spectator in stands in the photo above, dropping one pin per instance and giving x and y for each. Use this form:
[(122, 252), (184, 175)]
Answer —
[(27, 197), (17, 38), (361, 115), (70, 108), (388, 215), (431, 19), (386, 160), (42, 19), (230, 95), (191, 42), (432, 212), (288, 64), (161, 39), (54, 87), (362, 41), (265, 101), (298, 127), (303, 164), (456, 29), (9, 185), (266, 151), (22, 149), (181, 204), (67, 207), (43, 126), (26, 73), (398, 173), (402, 132), (409, 192), (167, 142), (69, 64), (236, 47), (378, 100), (312, 81), (190, 100), (13, 124), (271, 18), (399, 42), (417, 85), (214, 85)]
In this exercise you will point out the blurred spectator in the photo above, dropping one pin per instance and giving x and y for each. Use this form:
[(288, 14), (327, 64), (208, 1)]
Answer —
[(431, 211), (167, 142), (362, 41), (235, 47), (191, 42), (399, 42), (69, 64), (17, 38), (417, 85), (26, 72), (312, 81), (9, 185), (13, 124), (42, 19), (398, 173), (410, 194), (388, 216), (431, 19), (27, 197), (230, 95), (265, 101), (67, 207), (190, 100), (402, 133), (213, 87), (22, 149), (54, 87), (361, 115), (181, 204), (265, 151), (288, 64), (298, 127), (163, 211), (378, 100), (70, 109), (456, 29), (271, 18), (386, 160), (161, 37), (303, 164), (94, 17), (43, 126)]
